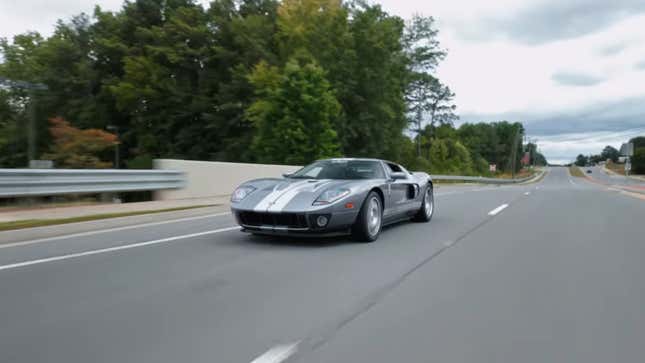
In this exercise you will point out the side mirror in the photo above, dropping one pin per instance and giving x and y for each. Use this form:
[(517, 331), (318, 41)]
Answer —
[(398, 175)]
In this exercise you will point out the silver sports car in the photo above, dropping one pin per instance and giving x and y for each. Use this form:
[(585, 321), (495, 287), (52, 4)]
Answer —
[(334, 196)]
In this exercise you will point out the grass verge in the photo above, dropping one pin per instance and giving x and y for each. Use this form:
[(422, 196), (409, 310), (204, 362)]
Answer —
[(616, 168), (575, 171), (534, 179), (29, 223)]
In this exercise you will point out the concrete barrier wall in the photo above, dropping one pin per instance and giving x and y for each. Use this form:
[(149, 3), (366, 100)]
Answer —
[(207, 179)]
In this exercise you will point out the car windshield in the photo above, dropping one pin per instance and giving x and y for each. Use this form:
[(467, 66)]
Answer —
[(341, 169)]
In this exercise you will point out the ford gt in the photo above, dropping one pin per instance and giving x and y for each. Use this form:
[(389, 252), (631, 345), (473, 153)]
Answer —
[(334, 197)]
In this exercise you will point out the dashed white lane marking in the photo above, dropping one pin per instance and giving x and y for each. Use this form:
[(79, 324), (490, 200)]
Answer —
[(117, 248), (277, 354), (115, 229), (527, 193), (497, 210), (571, 181)]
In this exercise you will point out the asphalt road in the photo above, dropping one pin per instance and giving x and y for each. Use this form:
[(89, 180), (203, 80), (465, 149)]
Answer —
[(599, 174), (556, 276)]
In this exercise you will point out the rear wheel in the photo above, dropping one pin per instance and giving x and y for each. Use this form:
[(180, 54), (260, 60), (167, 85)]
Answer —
[(368, 223), (427, 207)]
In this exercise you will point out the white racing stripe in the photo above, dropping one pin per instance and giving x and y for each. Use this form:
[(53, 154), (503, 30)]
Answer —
[(497, 210), (270, 198), (117, 248), (284, 199), (115, 229), (277, 354)]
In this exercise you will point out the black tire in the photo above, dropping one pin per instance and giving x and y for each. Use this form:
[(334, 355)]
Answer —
[(366, 229), (427, 207)]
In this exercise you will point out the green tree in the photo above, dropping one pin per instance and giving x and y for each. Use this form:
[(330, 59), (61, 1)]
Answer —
[(581, 160), (167, 73), (293, 114), (426, 96), (638, 142), (373, 116), (611, 153), (450, 157), (638, 161), (535, 157)]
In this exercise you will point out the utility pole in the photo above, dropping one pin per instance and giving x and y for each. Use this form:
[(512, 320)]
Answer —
[(31, 129), (116, 144)]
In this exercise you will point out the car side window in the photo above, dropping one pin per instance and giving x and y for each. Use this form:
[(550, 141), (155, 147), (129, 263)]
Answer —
[(405, 170), (393, 168)]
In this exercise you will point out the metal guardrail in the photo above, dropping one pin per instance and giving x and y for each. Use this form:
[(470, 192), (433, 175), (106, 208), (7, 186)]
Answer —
[(478, 179), (44, 182)]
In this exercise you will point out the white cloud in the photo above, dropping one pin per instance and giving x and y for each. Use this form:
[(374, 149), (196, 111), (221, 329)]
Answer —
[(525, 70)]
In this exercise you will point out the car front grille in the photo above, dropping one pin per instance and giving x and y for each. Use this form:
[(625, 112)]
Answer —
[(289, 220)]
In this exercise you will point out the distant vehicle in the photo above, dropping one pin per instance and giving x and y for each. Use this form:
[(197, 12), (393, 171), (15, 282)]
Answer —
[(332, 197), (589, 171)]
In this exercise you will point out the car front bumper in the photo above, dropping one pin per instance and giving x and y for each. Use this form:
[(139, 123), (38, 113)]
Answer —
[(295, 223)]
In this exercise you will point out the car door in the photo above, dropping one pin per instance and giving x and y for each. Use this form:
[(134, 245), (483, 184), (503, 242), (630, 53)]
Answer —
[(400, 191)]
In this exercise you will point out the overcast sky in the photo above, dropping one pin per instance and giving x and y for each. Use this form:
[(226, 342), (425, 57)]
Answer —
[(573, 71)]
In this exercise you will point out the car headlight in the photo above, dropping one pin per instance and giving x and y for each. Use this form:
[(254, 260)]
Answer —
[(330, 196), (241, 193)]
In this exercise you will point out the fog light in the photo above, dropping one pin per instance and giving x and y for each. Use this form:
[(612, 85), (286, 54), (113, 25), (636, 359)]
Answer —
[(321, 221)]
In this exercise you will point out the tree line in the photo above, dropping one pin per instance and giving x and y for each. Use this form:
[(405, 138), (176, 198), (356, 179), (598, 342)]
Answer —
[(250, 81)]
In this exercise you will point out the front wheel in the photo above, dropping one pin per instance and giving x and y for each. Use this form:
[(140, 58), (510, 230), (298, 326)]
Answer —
[(368, 223), (427, 207)]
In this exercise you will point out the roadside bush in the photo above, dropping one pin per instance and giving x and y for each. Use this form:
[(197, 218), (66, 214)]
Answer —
[(638, 161)]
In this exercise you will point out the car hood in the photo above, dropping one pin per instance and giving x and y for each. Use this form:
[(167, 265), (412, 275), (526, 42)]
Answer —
[(287, 195)]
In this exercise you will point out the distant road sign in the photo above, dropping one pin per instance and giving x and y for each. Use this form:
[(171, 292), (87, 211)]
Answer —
[(627, 149), (492, 168)]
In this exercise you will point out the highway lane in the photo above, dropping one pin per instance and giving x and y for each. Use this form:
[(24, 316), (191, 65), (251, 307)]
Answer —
[(55, 243), (229, 297), (558, 278), (602, 176), (223, 286)]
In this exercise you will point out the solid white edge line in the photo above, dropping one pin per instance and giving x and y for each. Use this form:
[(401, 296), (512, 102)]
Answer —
[(277, 354), (116, 248), (497, 210), (115, 229), (527, 193)]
